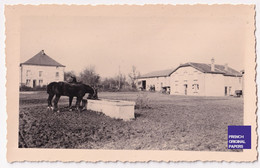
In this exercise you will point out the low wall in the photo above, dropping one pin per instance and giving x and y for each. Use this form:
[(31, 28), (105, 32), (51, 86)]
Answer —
[(113, 108)]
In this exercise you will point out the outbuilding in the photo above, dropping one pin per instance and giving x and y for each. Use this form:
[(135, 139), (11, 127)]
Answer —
[(155, 81)]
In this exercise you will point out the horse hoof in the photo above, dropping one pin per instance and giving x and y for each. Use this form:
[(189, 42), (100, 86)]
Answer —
[(50, 108)]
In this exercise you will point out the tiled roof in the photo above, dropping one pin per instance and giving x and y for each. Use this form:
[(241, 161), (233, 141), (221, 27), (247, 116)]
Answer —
[(162, 73), (206, 68), (42, 59)]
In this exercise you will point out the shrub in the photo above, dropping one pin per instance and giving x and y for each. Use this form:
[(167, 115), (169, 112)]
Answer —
[(40, 88), (142, 102), (25, 88), (37, 88)]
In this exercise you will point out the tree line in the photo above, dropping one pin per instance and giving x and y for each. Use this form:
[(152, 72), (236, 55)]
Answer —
[(118, 82)]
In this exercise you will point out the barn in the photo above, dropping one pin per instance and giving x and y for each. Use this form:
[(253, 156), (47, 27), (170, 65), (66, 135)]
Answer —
[(155, 81), (40, 70), (199, 79)]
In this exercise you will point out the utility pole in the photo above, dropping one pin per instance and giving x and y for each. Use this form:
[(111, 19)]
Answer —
[(119, 78)]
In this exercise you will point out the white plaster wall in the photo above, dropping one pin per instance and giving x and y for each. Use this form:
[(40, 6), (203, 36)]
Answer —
[(158, 82), (234, 82), (189, 76), (48, 74), (214, 85)]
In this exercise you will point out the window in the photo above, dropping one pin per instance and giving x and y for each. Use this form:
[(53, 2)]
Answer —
[(40, 73), (229, 90), (40, 82), (28, 72), (57, 74), (195, 87), (28, 82)]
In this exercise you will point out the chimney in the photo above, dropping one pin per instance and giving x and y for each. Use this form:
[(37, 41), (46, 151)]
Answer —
[(212, 64), (42, 52), (226, 67)]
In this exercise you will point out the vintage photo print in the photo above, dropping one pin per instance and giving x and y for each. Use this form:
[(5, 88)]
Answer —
[(131, 83)]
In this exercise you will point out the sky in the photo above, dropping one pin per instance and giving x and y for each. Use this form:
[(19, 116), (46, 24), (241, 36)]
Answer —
[(150, 39)]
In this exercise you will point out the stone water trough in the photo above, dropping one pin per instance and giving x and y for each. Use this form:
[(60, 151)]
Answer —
[(113, 108)]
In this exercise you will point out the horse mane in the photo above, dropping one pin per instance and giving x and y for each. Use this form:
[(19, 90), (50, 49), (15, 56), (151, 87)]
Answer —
[(89, 88)]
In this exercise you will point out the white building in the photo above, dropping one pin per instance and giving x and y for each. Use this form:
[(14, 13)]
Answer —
[(196, 79), (40, 70), (205, 80), (157, 80)]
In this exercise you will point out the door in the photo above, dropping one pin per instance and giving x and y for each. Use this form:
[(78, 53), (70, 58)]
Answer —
[(144, 84), (34, 83), (185, 89), (225, 90)]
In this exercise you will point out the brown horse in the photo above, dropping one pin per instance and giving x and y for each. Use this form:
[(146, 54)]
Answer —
[(71, 90)]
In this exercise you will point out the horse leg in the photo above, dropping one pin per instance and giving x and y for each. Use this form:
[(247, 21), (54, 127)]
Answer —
[(56, 100), (70, 101), (78, 103), (84, 104), (50, 101)]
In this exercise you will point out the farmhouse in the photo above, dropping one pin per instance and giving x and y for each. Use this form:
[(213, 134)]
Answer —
[(199, 79), (205, 80), (40, 70)]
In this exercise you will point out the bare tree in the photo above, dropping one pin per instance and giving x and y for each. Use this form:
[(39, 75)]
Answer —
[(133, 75), (89, 76), (68, 75)]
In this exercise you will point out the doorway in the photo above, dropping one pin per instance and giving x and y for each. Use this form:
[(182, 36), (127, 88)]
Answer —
[(34, 83), (225, 90), (144, 85), (185, 89)]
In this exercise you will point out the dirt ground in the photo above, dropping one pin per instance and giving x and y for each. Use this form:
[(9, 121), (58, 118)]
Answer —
[(162, 122)]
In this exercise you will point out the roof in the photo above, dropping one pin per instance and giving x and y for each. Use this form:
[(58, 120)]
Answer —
[(154, 74), (206, 68), (42, 59), (202, 67)]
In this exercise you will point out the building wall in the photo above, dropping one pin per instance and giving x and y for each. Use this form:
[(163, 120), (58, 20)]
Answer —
[(190, 81), (214, 85), (232, 84), (42, 75), (187, 81), (157, 82)]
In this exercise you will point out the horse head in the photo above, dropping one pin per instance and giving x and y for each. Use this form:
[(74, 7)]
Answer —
[(93, 95)]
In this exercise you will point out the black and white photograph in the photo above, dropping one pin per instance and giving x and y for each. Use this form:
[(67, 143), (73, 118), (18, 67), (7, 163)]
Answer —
[(138, 78)]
